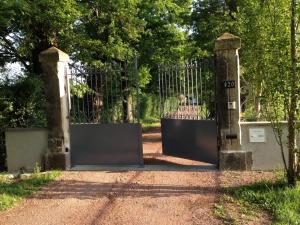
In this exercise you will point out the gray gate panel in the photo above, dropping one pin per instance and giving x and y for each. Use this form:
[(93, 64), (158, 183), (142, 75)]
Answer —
[(190, 139), (106, 144)]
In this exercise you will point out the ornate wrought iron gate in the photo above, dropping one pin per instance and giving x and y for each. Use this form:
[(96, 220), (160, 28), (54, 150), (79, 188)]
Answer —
[(104, 115), (188, 111)]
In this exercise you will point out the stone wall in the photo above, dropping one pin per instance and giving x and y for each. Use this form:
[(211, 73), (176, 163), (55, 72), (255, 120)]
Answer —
[(265, 155), (25, 147)]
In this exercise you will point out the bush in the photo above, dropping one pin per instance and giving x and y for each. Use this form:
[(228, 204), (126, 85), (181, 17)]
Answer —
[(22, 104), (150, 108)]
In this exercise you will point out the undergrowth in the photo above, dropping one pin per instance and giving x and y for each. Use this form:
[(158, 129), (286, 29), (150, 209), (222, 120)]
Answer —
[(279, 200), (14, 190)]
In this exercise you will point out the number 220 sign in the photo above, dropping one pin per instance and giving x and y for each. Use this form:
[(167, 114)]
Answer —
[(229, 84)]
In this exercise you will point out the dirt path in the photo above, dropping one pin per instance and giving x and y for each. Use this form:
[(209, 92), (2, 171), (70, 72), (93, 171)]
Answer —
[(135, 197), (124, 198), (141, 197)]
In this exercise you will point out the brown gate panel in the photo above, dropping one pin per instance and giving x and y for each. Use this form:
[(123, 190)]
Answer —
[(190, 139)]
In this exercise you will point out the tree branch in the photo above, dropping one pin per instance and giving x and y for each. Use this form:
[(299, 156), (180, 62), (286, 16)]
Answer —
[(13, 51)]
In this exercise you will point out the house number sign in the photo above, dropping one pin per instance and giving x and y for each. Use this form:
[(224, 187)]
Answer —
[(229, 84)]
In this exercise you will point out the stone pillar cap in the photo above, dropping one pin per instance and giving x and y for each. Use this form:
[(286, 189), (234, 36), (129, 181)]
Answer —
[(227, 41), (53, 54)]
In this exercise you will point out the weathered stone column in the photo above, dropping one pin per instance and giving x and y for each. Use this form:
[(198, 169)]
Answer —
[(54, 64), (228, 104)]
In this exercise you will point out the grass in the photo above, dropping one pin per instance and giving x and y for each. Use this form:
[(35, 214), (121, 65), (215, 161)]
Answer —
[(232, 212), (222, 212), (148, 124), (275, 197), (14, 190)]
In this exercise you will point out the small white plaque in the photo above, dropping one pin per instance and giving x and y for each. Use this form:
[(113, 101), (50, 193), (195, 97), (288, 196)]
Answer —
[(257, 135), (231, 105)]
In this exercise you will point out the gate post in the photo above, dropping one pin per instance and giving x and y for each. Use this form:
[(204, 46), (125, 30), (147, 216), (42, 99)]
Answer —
[(55, 65), (231, 157)]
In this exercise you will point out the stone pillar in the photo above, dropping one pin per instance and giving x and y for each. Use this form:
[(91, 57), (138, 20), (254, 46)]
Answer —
[(228, 104), (55, 64)]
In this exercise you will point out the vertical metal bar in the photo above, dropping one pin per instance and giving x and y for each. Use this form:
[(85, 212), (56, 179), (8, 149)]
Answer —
[(205, 89), (166, 92), (177, 94), (96, 96), (107, 108), (91, 74), (126, 88), (138, 88), (83, 110), (197, 94), (163, 91), (201, 89), (188, 88), (180, 90), (111, 94), (121, 87), (93, 93), (116, 94), (170, 91), (101, 95), (175, 97), (192, 78), (87, 94), (78, 107), (210, 90), (73, 110), (159, 89), (215, 91), (184, 90), (180, 80)]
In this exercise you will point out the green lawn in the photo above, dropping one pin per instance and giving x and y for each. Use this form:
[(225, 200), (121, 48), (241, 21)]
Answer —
[(14, 190), (149, 124), (275, 197)]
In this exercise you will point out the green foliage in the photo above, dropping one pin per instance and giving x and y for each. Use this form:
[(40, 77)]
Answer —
[(209, 20), (29, 27), (37, 168), (22, 103), (281, 201), (221, 212), (265, 63), (144, 76), (95, 32), (13, 191), (107, 30), (79, 89), (163, 39), (150, 109)]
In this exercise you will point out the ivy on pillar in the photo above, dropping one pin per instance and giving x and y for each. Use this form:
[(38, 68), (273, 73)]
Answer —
[(54, 63), (228, 104)]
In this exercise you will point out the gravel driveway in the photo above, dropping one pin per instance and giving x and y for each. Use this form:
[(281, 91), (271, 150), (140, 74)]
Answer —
[(120, 198), (136, 197)]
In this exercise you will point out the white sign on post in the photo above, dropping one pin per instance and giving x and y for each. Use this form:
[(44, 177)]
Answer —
[(257, 135)]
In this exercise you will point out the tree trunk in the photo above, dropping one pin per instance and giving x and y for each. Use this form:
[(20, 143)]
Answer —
[(257, 101), (292, 175)]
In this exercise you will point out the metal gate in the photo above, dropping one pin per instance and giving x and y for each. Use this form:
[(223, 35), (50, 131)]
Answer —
[(188, 111), (104, 115)]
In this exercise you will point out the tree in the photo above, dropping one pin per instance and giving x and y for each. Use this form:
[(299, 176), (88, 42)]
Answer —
[(294, 167), (28, 27), (107, 30), (164, 39)]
